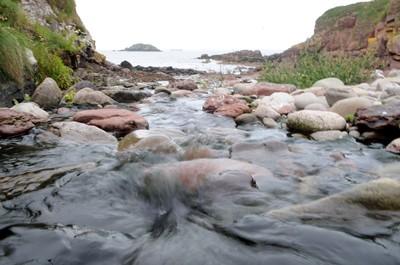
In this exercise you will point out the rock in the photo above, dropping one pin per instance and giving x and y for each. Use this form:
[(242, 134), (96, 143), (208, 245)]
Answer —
[(181, 93), (335, 94), (184, 85), (348, 106), (126, 96), (267, 89), (156, 144), (14, 122), (270, 123), (283, 103), (226, 105), (263, 111), (394, 145), (242, 89), (243, 56), (380, 117), (33, 109), (83, 84), (47, 94), (247, 119), (81, 133), (316, 106), (310, 121), (390, 90), (90, 96), (318, 91), (350, 210), (328, 135), (303, 100), (329, 83), (222, 91), (112, 120), (127, 65), (194, 174)]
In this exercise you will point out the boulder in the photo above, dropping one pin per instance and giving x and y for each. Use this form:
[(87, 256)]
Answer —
[(281, 102), (247, 119), (303, 100), (81, 133), (47, 94), (222, 91), (394, 145), (226, 105), (184, 85), (33, 109), (310, 121), (14, 122), (335, 94), (348, 106), (90, 96), (379, 117), (127, 95), (156, 144), (84, 83), (316, 106), (390, 90), (267, 89), (329, 83), (263, 111), (113, 120)]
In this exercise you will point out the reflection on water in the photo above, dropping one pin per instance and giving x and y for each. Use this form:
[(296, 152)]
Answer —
[(101, 206)]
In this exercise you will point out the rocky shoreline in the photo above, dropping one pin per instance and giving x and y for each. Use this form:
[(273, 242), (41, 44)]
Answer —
[(327, 111)]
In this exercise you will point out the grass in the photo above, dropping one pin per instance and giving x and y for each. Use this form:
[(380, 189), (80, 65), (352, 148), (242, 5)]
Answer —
[(17, 34), (313, 66)]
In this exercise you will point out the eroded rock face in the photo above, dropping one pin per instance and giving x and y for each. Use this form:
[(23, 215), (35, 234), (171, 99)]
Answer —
[(120, 121)]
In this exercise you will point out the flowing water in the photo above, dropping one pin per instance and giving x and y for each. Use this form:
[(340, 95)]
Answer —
[(101, 206)]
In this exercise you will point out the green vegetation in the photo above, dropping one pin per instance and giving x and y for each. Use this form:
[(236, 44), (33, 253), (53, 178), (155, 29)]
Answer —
[(69, 97), (19, 34), (313, 66)]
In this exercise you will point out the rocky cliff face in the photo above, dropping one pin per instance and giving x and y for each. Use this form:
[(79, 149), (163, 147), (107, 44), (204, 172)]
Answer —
[(357, 28)]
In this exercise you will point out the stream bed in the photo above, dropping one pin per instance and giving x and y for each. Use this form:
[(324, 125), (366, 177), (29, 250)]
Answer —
[(246, 195)]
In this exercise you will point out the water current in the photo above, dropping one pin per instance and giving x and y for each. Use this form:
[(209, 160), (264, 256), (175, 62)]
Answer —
[(102, 206)]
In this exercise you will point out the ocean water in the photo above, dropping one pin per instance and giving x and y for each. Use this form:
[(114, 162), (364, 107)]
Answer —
[(182, 59)]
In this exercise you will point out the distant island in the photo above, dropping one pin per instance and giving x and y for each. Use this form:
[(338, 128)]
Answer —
[(141, 47)]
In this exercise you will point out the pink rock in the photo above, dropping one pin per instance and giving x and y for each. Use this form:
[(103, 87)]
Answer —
[(184, 85), (14, 122), (226, 105), (118, 120), (267, 89)]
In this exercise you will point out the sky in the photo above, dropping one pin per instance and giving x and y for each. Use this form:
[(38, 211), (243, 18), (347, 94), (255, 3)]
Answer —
[(204, 24)]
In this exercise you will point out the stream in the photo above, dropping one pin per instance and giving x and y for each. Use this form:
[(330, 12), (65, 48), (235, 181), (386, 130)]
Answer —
[(93, 204)]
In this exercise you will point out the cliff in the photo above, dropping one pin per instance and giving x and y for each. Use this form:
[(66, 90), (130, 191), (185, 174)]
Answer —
[(367, 26)]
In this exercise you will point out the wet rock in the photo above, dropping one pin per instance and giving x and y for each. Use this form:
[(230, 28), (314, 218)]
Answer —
[(194, 174), (247, 119), (184, 85), (181, 93), (267, 89), (328, 135), (112, 120), (329, 83), (394, 145), (125, 96), (14, 122), (81, 133), (33, 109), (348, 106), (381, 117), (283, 103), (310, 121), (149, 143), (47, 94), (12, 186), (303, 100), (366, 209), (390, 90), (226, 105), (335, 94), (242, 89), (90, 96), (270, 123), (222, 91)]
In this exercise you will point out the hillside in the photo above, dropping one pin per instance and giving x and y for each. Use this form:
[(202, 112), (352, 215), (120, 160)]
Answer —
[(39, 39), (357, 28)]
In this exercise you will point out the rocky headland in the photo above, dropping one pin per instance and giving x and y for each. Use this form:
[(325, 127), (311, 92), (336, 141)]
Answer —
[(141, 47)]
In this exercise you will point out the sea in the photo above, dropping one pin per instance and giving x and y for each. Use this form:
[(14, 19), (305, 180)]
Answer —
[(181, 59)]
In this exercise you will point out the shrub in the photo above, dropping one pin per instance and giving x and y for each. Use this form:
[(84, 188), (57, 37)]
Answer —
[(313, 66)]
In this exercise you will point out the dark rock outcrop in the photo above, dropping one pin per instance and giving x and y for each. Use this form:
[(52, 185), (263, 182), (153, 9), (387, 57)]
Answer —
[(243, 56), (141, 47)]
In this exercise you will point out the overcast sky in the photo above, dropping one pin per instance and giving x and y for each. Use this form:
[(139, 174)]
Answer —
[(203, 24)]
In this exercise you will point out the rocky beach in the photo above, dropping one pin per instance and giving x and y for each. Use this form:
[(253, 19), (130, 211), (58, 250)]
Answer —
[(158, 165)]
